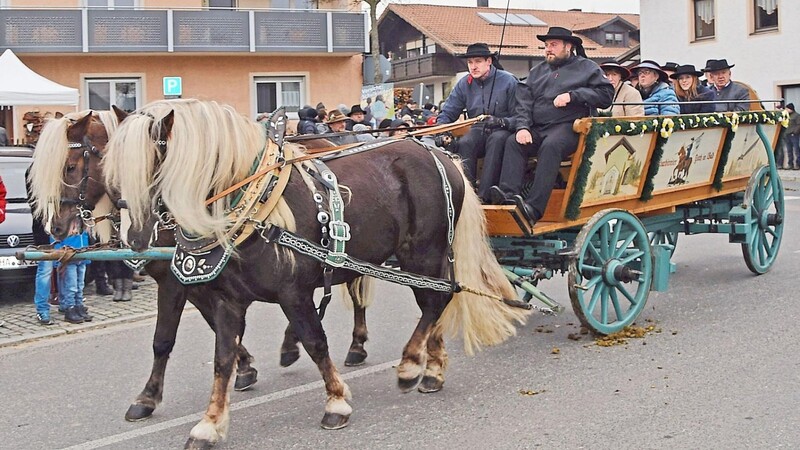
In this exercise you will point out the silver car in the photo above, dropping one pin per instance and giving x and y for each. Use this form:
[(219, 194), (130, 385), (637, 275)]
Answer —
[(16, 231)]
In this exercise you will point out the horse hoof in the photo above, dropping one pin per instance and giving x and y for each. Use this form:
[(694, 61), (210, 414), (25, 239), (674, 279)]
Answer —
[(198, 444), (430, 385), (408, 385), (289, 358), (246, 380), (333, 421), (138, 412), (355, 358)]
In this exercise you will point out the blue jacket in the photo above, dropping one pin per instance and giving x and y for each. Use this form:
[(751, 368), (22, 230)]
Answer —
[(75, 241), (661, 93), (475, 96)]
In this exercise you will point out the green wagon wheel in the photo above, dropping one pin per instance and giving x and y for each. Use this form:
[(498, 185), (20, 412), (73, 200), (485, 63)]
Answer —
[(611, 272), (664, 237), (765, 200)]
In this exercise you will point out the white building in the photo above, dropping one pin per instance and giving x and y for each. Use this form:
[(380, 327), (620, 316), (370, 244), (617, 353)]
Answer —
[(758, 36)]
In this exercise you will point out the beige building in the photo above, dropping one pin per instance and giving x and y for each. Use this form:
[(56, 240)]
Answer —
[(255, 55)]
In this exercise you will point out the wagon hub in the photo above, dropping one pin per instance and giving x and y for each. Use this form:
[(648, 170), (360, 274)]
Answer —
[(770, 219), (615, 272)]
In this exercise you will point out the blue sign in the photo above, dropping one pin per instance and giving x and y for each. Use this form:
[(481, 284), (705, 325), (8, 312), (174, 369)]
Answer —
[(173, 87)]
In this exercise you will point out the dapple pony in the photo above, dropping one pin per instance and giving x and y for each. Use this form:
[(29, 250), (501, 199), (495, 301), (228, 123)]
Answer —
[(178, 153), (67, 182)]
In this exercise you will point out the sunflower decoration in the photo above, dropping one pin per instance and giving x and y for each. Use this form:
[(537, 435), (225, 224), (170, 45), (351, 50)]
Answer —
[(667, 125)]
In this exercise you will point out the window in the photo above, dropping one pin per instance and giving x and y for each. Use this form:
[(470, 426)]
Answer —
[(222, 4), (614, 39), (703, 19), (124, 93), (111, 3), (275, 92), (765, 14)]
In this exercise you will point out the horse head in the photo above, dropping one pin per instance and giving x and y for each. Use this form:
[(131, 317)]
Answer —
[(66, 177)]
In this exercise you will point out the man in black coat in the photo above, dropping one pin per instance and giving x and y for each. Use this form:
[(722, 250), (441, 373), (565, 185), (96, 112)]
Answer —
[(718, 72), (565, 87)]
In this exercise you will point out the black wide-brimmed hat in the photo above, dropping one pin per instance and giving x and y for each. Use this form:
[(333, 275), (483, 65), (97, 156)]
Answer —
[(686, 69), (614, 66), (560, 33), (478, 49), (673, 66), (356, 109), (717, 64), (652, 65)]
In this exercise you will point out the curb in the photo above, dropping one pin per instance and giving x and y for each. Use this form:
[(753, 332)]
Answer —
[(789, 175), (76, 329)]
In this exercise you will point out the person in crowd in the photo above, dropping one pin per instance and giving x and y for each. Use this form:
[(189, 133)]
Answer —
[(321, 124), (356, 116), (3, 202), (623, 92), (654, 88), (793, 141), (399, 128), (487, 91), (3, 137), (564, 87), (363, 136), (308, 120), (669, 68), (688, 89), (428, 111), (408, 108), (44, 269), (336, 123), (378, 109), (97, 273), (71, 277), (121, 277), (718, 72)]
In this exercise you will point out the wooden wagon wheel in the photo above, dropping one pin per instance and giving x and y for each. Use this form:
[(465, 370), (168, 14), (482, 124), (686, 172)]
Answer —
[(611, 272), (764, 197)]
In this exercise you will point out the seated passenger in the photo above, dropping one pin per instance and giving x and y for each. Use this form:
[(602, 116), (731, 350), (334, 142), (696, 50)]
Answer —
[(689, 89), (654, 88), (336, 123), (718, 72), (564, 87), (490, 91), (669, 68), (623, 92)]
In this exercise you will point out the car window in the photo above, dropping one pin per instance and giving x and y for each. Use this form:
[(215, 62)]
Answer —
[(13, 174)]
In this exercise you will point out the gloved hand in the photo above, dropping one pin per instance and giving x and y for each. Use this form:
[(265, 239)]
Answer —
[(443, 140), (492, 122)]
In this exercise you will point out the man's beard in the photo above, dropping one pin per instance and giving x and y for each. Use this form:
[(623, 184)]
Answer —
[(555, 60)]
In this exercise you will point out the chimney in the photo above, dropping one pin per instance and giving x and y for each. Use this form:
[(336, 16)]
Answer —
[(483, 3)]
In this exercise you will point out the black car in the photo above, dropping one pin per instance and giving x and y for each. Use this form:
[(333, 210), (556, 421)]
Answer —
[(16, 231)]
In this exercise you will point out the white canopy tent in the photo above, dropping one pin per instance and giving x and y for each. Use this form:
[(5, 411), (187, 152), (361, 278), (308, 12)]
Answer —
[(19, 85)]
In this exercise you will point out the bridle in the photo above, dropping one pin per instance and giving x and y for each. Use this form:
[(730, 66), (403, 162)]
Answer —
[(84, 208)]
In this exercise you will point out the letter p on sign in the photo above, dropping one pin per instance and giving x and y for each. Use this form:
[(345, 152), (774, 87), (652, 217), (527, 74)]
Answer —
[(173, 87)]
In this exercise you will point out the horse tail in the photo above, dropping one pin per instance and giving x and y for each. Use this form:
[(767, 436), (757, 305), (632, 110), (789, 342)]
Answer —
[(482, 321), (358, 292)]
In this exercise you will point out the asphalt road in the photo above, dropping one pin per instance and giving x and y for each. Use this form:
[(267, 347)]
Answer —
[(720, 370)]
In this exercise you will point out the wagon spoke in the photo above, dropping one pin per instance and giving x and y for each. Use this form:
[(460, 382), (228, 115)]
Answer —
[(762, 256), (595, 296), (595, 253), (593, 282), (590, 268), (632, 257), (615, 302), (769, 200), (617, 232), (604, 309), (625, 245), (604, 241), (627, 294), (771, 232)]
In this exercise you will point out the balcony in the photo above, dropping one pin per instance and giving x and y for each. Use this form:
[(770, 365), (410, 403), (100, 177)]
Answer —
[(124, 30), (434, 64)]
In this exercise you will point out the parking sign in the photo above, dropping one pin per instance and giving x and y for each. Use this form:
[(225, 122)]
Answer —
[(172, 87)]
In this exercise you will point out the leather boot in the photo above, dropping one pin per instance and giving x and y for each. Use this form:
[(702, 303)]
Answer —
[(85, 313), (102, 287), (117, 282), (73, 315), (127, 286)]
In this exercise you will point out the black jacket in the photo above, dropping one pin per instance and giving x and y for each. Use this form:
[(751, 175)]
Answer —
[(588, 87), (703, 94)]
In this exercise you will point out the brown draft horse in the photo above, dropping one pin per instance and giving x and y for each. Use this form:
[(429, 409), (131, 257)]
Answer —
[(67, 178), (396, 205)]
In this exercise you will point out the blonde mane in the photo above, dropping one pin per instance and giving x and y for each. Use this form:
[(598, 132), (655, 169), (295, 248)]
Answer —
[(210, 147), (49, 158)]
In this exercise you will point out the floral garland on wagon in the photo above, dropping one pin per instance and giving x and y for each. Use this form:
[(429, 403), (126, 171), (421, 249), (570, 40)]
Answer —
[(665, 126)]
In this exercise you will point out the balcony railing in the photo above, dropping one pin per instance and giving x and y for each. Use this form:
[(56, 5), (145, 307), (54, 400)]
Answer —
[(108, 31), (434, 64)]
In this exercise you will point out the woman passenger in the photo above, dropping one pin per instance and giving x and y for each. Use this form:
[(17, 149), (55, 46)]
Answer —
[(654, 89), (689, 89), (623, 92)]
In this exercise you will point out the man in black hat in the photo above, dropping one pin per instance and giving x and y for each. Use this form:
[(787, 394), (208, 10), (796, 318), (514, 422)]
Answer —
[(487, 91), (565, 87), (357, 116), (669, 68), (718, 72)]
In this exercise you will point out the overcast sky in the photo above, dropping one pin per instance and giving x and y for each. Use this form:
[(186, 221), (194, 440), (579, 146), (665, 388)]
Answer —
[(616, 6)]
